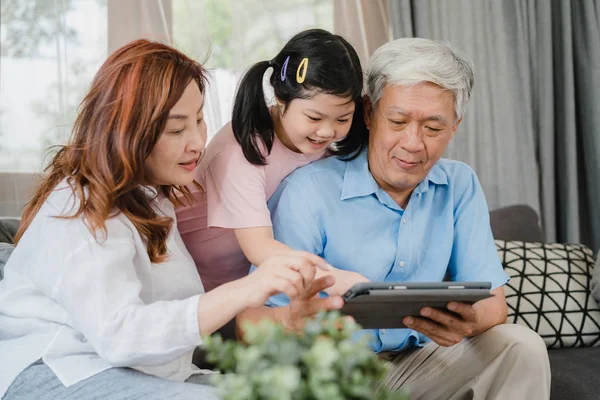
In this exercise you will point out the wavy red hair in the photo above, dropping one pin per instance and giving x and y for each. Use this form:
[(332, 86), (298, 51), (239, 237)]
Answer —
[(118, 123)]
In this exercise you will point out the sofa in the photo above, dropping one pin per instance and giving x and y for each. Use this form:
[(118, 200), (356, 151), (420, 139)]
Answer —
[(574, 360), (8, 229)]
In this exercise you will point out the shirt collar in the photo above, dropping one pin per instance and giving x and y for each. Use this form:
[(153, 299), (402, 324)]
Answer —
[(437, 176), (150, 191), (358, 180)]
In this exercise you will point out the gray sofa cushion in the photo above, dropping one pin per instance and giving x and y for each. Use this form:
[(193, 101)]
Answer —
[(519, 223), (8, 229), (5, 252), (5, 234)]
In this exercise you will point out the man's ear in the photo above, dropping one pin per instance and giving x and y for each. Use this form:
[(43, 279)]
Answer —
[(454, 128), (367, 111)]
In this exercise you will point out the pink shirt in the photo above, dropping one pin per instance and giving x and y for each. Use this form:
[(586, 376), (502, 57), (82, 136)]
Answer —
[(235, 196)]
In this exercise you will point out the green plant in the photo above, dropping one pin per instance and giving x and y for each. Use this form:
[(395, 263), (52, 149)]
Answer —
[(321, 363)]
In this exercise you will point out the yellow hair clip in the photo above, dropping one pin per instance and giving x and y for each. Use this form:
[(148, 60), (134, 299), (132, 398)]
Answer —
[(303, 66)]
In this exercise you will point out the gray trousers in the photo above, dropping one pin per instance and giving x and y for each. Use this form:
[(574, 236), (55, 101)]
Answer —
[(39, 382), (506, 362)]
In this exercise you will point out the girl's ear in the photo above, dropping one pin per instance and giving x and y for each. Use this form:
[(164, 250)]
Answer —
[(280, 105)]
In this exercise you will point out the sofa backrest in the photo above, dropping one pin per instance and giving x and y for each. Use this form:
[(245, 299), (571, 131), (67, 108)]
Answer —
[(516, 223), (16, 188)]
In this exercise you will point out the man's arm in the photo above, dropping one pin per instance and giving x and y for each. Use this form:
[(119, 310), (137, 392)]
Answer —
[(490, 312), (474, 258)]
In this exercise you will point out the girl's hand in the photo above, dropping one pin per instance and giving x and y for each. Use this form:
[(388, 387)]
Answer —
[(291, 273), (344, 280)]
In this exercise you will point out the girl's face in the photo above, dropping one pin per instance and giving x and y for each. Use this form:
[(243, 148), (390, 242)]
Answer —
[(309, 126), (178, 149)]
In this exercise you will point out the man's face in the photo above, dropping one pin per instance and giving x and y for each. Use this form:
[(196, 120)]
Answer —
[(409, 131)]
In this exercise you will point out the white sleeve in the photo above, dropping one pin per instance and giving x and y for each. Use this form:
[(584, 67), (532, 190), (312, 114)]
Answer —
[(100, 290)]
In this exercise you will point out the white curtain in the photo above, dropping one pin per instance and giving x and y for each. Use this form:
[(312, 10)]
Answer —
[(364, 23)]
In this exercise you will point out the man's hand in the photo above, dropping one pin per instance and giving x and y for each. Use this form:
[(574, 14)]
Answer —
[(444, 328), (307, 304), (464, 320)]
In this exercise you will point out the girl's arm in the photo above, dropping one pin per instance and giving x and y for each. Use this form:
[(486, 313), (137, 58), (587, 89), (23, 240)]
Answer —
[(258, 245), (236, 197)]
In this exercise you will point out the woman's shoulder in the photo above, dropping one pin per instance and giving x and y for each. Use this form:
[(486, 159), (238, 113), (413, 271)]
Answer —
[(61, 208), (64, 199)]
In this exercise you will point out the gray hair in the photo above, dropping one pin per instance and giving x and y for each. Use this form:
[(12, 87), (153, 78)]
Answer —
[(409, 61)]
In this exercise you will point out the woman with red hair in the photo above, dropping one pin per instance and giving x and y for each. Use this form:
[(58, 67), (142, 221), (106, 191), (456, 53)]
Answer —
[(101, 298)]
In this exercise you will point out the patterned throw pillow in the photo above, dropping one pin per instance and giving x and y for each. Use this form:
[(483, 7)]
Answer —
[(549, 291)]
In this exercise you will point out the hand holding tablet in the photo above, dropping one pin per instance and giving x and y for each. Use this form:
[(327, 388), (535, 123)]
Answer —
[(379, 305)]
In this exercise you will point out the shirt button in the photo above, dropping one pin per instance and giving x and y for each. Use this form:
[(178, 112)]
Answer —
[(402, 263), (383, 331), (419, 194), (404, 220)]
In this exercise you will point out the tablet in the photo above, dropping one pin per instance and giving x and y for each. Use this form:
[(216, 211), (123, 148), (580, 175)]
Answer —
[(378, 305)]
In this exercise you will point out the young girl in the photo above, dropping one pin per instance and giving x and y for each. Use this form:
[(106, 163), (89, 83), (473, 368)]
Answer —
[(317, 81), (100, 298)]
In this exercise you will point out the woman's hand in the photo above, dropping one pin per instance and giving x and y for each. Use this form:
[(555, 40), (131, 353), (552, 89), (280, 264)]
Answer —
[(293, 316), (308, 304), (291, 273)]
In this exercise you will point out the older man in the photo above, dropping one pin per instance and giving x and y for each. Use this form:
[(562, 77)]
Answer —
[(399, 212)]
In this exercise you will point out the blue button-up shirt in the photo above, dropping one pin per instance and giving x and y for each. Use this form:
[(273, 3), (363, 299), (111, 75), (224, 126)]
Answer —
[(335, 209)]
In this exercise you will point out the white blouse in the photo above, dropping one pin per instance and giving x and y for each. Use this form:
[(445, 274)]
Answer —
[(84, 305)]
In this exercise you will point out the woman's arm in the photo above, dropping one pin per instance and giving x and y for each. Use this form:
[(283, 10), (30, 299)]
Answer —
[(291, 273), (101, 291), (293, 316)]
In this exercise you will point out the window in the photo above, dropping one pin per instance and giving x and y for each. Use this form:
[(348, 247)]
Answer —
[(50, 51), (230, 35)]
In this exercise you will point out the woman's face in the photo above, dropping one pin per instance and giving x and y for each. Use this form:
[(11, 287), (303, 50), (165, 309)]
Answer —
[(178, 149)]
